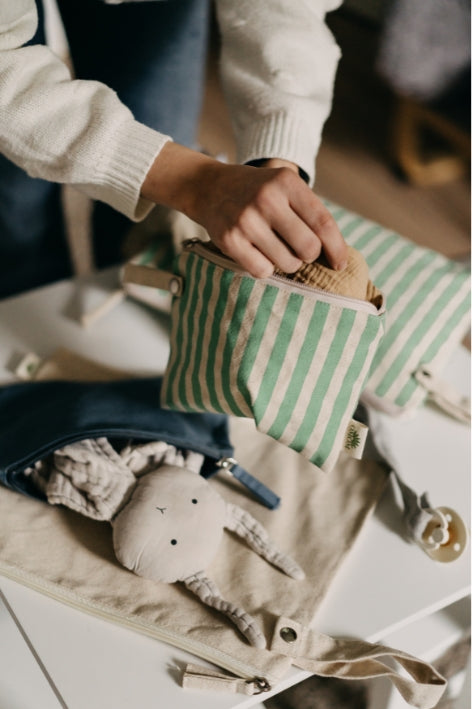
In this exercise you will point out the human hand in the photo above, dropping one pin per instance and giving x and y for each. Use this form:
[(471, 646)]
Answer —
[(260, 217)]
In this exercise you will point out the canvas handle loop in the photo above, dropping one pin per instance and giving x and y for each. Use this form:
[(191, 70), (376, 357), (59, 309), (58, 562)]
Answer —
[(444, 395), (355, 659), (153, 277)]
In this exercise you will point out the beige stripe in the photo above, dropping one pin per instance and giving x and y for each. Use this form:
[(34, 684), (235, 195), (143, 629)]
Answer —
[(184, 325), (243, 336), (319, 357), (196, 317), (374, 242), (267, 343), (336, 385), (418, 397), (385, 259), (211, 306), (398, 345), (393, 280), (439, 323), (227, 315), (346, 219), (333, 456), (291, 359), (174, 354)]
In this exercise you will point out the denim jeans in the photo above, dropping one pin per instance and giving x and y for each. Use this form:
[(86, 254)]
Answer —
[(153, 55)]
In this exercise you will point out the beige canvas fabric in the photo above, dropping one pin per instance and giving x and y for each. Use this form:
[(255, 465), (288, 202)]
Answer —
[(70, 557), (73, 556)]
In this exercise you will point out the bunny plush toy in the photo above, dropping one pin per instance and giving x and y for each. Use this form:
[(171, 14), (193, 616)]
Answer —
[(168, 520), (171, 528)]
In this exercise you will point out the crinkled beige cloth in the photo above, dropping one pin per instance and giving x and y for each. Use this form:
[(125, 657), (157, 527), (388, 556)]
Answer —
[(352, 282)]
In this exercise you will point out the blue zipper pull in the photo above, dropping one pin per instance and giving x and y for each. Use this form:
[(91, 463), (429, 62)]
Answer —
[(260, 491)]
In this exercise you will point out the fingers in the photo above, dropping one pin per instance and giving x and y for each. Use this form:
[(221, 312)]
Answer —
[(311, 210), (266, 217), (248, 256)]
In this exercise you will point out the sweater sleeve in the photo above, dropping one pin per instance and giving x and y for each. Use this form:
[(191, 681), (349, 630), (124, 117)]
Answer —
[(66, 130), (278, 64)]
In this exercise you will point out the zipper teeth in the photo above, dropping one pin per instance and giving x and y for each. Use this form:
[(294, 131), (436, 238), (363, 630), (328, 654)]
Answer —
[(80, 603), (220, 260), (136, 434)]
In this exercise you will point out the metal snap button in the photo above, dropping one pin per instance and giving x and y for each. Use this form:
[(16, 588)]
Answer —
[(174, 286), (288, 635)]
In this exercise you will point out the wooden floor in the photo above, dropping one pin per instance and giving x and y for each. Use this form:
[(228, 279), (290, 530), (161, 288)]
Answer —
[(354, 166)]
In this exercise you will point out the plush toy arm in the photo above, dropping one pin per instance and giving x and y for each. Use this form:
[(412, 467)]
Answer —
[(210, 594), (244, 524)]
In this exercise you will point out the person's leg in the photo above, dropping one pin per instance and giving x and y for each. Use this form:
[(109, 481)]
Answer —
[(153, 55), (33, 248)]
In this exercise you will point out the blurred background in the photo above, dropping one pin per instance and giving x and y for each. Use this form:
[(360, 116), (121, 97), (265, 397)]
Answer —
[(400, 160), (396, 147)]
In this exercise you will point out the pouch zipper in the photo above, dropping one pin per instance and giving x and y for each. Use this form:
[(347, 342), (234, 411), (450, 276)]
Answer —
[(219, 259), (216, 657)]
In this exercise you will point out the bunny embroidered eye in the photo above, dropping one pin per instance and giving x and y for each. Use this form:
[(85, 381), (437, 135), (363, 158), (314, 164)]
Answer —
[(173, 542), (194, 501)]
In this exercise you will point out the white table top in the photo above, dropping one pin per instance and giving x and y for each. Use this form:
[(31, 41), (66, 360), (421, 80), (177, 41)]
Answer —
[(383, 585)]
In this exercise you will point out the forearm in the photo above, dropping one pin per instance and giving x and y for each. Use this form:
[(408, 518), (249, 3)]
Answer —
[(68, 131), (278, 64)]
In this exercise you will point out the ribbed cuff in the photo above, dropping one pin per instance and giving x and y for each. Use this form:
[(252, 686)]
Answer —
[(119, 178), (280, 136)]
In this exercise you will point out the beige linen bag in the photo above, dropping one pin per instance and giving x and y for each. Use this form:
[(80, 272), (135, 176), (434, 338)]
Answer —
[(70, 558)]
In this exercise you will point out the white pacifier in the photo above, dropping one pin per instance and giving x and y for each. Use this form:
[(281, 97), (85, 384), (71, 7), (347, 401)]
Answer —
[(445, 536)]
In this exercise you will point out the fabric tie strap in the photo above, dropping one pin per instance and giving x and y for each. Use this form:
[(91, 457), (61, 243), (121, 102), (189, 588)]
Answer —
[(444, 395), (355, 659)]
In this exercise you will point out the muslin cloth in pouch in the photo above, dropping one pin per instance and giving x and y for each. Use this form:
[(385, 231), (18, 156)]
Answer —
[(60, 552)]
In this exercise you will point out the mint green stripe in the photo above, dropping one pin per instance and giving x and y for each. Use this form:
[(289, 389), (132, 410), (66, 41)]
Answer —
[(407, 281), (252, 347), (343, 331), (148, 255), (442, 337), (405, 317), (348, 228), (277, 356), (225, 283), (206, 295), (363, 240), (336, 212), (177, 334), (380, 250), (239, 313), (392, 266), (186, 355), (340, 408), (307, 352)]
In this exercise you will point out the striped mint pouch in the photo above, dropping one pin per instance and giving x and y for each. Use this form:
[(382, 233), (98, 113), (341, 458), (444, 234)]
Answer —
[(293, 358), (428, 314)]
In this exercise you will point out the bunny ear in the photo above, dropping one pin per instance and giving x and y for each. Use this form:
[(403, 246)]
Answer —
[(244, 524), (210, 594)]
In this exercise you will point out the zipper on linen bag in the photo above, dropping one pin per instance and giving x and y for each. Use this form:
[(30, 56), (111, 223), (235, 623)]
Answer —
[(208, 252), (247, 675)]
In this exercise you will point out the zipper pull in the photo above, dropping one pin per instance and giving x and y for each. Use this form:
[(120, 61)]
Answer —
[(196, 677), (260, 491)]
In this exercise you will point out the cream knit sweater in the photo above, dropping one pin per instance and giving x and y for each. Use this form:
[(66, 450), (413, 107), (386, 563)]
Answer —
[(278, 64)]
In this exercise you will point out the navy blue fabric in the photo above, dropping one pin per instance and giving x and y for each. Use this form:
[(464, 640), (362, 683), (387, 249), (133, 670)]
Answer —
[(37, 418)]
